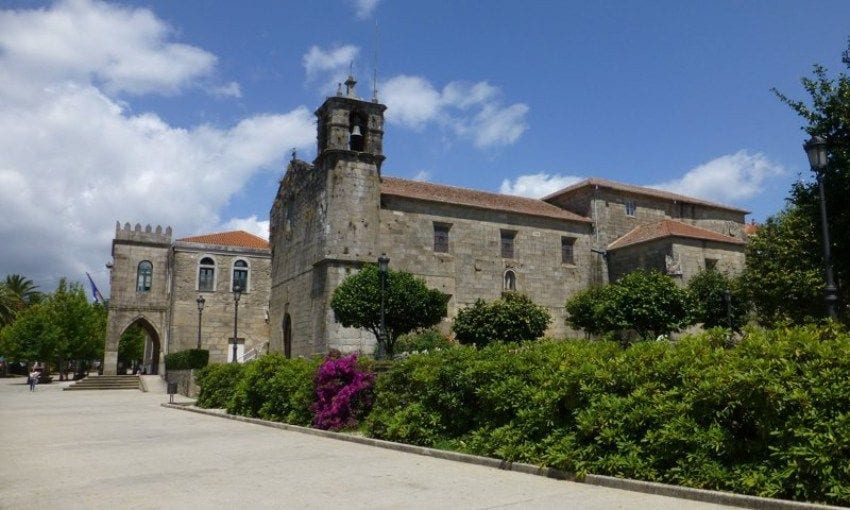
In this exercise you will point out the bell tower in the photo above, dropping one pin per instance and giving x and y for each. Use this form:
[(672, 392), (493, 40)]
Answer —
[(350, 128), (350, 153)]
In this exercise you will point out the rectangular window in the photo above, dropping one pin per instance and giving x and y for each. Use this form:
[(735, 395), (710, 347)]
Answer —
[(508, 244), (240, 279), (710, 264), (567, 250), (206, 279), (441, 238), (631, 208)]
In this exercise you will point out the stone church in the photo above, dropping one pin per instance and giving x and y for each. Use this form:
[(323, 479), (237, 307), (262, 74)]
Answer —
[(340, 212), (181, 293)]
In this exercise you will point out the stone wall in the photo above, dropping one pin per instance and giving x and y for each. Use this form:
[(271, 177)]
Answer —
[(218, 314), (681, 258), (127, 305), (473, 268)]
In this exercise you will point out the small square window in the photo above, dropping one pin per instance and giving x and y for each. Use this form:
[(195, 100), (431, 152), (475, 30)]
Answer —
[(711, 264), (441, 238), (567, 244), (631, 208), (508, 244)]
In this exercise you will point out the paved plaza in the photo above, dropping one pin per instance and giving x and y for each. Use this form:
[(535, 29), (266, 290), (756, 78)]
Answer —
[(121, 449)]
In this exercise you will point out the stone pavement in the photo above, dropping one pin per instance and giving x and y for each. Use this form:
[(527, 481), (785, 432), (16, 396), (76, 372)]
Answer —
[(121, 449)]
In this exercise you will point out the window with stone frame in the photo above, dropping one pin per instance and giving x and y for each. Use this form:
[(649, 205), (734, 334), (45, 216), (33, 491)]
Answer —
[(206, 275), (510, 281), (507, 243), (567, 244), (631, 208), (240, 276), (144, 276), (441, 237)]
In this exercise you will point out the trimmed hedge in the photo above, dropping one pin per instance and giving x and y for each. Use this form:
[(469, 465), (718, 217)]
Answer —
[(768, 417), (276, 388), (190, 359), (218, 384)]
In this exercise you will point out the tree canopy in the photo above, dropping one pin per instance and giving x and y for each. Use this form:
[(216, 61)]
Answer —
[(826, 114), (707, 296), (512, 318), (409, 305)]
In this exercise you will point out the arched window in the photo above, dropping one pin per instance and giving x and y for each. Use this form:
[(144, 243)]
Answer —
[(206, 274), (240, 276), (144, 275), (510, 281)]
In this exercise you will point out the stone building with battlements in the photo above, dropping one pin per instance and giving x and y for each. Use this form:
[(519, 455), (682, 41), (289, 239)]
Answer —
[(338, 213), (156, 283)]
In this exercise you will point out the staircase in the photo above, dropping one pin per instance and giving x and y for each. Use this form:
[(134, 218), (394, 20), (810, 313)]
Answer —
[(106, 382)]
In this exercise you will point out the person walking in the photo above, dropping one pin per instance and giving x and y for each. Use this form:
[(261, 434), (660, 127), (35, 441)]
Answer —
[(33, 379)]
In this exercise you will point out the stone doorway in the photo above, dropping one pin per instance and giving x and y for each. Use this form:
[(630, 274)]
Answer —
[(153, 346)]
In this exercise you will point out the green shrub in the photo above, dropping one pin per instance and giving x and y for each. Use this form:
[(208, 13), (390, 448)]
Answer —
[(190, 359), (218, 384), (422, 341), (707, 293), (511, 318), (768, 417), (276, 388)]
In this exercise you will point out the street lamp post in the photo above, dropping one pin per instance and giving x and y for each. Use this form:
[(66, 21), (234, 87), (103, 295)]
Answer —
[(237, 293), (816, 150), (383, 266), (200, 302)]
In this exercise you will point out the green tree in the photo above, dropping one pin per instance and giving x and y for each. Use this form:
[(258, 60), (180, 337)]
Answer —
[(409, 305), (591, 310), (131, 345), (8, 305), (62, 328), (650, 303), (707, 294), (512, 318), (24, 289), (784, 275), (827, 115)]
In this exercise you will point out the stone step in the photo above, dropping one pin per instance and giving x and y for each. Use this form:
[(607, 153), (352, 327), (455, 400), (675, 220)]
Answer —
[(106, 382)]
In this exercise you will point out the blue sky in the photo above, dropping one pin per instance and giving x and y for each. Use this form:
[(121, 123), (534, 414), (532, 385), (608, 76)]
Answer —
[(183, 113)]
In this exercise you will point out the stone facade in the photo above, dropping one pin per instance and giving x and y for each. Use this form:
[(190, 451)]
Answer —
[(332, 216), (165, 304)]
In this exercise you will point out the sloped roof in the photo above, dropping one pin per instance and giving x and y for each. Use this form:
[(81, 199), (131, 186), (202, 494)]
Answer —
[(238, 238), (640, 190), (474, 198), (751, 228), (669, 228)]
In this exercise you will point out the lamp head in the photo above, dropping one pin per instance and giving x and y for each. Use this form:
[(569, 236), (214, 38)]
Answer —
[(237, 293), (383, 263), (200, 302), (816, 150)]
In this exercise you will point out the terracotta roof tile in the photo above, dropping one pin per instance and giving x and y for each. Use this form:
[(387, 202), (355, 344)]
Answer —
[(473, 198), (238, 238), (640, 190), (751, 228), (669, 228)]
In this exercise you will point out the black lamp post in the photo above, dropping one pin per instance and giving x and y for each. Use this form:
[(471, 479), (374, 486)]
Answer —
[(383, 267), (816, 150), (200, 302), (727, 298), (237, 293)]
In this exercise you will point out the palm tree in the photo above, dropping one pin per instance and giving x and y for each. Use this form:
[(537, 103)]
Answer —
[(23, 289), (8, 305)]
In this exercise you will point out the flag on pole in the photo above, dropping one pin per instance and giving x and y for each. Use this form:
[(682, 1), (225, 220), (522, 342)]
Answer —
[(98, 297)]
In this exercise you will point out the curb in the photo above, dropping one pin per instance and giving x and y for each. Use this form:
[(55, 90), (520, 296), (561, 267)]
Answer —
[(660, 489)]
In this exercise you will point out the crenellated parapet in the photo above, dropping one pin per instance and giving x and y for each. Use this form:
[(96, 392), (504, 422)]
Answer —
[(139, 234)]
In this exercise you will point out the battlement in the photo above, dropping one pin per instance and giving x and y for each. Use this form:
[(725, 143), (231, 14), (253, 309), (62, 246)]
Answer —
[(142, 235)]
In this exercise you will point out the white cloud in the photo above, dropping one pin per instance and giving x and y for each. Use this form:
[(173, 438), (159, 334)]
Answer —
[(231, 89), (118, 48), (73, 159), (537, 185), (730, 178), (329, 67), (422, 175), (472, 111), (365, 8), (251, 224)]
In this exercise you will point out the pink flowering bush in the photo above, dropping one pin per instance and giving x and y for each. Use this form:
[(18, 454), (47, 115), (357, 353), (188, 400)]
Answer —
[(343, 393)]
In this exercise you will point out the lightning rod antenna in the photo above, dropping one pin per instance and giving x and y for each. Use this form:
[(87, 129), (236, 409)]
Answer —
[(375, 66)]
